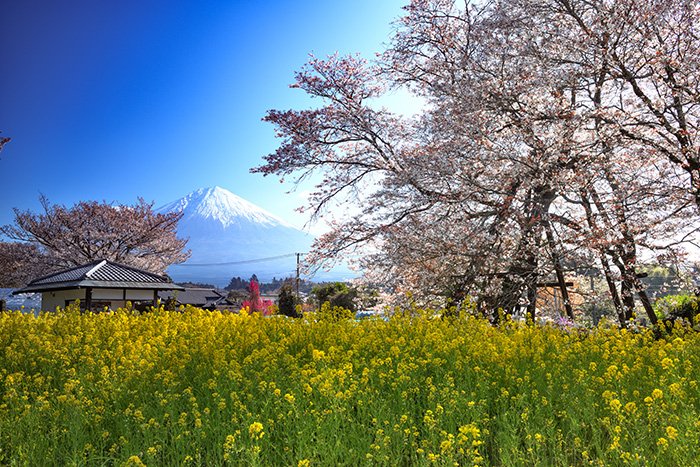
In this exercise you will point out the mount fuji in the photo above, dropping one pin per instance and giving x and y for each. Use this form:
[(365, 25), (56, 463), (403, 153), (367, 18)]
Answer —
[(225, 228)]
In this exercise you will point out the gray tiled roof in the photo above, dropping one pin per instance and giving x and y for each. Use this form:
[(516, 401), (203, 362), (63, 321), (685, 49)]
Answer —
[(67, 275), (100, 274)]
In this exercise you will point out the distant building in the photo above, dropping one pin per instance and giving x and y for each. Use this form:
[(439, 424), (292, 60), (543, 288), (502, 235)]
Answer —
[(98, 285), (206, 298)]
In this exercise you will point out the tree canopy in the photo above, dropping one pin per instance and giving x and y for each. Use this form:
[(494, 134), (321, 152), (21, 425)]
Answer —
[(556, 136), (133, 235), (338, 294)]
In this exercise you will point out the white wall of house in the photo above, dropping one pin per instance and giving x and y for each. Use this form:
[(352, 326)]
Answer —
[(112, 298), (51, 300), (118, 294)]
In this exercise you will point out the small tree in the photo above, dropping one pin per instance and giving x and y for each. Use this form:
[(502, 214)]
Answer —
[(338, 294), (287, 301), (255, 302)]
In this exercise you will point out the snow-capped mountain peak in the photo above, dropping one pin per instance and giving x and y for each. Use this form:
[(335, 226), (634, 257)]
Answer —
[(221, 205), (231, 237)]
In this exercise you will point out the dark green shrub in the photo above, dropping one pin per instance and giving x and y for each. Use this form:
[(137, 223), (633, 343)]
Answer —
[(682, 306), (287, 302), (338, 294)]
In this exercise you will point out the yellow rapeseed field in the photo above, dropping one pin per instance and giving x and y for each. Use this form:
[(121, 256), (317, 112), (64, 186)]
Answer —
[(206, 388)]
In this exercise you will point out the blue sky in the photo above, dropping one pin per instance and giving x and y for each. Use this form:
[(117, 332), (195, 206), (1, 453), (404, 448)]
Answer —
[(115, 100)]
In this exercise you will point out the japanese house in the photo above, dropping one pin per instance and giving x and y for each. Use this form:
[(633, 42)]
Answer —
[(99, 285)]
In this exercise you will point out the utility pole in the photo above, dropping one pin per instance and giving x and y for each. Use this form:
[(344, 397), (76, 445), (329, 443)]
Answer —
[(297, 281)]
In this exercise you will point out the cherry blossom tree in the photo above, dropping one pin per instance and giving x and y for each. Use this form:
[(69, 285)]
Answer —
[(523, 161), (21, 262), (133, 235)]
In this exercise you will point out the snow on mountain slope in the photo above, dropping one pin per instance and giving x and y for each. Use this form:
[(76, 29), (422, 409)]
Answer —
[(223, 206)]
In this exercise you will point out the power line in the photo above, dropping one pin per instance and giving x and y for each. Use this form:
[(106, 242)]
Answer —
[(247, 261)]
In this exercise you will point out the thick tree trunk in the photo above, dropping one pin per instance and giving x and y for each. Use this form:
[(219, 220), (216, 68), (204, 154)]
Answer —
[(531, 305), (541, 199), (644, 298), (521, 279), (531, 287), (630, 284), (614, 295), (617, 303), (627, 299), (558, 269)]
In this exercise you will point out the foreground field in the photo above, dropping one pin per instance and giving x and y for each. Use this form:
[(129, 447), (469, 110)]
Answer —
[(206, 388)]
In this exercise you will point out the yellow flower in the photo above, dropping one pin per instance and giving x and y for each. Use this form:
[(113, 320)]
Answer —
[(256, 430), (428, 418), (615, 444), (671, 432), (662, 443), (657, 393), (445, 445), (135, 461), (675, 389), (304, 463)]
